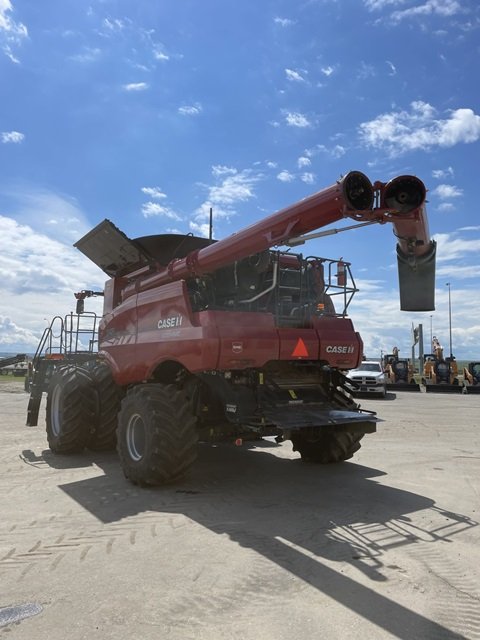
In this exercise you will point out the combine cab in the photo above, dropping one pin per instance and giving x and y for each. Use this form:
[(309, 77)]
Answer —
[(229, 339), (471, 378), (399, 373)]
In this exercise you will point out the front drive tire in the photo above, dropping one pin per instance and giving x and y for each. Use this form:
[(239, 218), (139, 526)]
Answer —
[(157, 436), (71, 408)]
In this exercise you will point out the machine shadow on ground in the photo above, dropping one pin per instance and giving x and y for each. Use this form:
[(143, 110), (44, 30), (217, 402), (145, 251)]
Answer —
[(293, 514)]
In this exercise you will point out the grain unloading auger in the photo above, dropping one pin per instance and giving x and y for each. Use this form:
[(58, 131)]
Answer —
[(235, 338)]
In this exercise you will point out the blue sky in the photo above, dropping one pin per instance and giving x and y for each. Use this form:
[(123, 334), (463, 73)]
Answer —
[(148, 113)]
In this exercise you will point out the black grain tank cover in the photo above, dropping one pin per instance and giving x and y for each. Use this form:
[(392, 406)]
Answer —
[(164, 248), (117, 255)]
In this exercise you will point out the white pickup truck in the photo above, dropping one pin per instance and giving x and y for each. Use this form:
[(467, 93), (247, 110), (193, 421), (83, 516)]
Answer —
[(370, 378)]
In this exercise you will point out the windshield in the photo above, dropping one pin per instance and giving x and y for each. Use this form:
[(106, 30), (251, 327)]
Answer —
[(369, 366)]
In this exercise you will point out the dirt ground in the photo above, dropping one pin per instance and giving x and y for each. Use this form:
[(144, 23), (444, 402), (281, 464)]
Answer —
[(255, 544)]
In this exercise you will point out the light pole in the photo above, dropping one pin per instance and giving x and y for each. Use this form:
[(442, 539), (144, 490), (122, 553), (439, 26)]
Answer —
[(431, 334), (450, 317)]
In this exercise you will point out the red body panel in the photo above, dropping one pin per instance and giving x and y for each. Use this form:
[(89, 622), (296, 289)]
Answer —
[(340, 345), (157, 326)]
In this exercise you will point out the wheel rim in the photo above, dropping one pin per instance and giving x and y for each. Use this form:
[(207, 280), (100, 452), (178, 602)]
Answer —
[(55, 421), (136, 436)]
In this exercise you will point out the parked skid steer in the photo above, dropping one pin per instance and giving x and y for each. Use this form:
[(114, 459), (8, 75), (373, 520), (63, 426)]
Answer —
[(204, 339), (471, 377), (399, 373), (440, 374)]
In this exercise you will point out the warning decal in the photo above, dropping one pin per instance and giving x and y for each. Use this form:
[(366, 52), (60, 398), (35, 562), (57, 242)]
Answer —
[(300, 350)]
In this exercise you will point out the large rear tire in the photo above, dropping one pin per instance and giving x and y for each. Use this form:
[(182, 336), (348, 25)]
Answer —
[(108, 396), (327, 446), (157, 436), (71, 407)]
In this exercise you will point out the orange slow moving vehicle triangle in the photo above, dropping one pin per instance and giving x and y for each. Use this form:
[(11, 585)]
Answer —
[(300, 350)]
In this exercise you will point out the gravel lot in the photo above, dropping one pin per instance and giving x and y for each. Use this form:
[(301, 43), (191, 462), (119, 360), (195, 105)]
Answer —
[(255, 544)]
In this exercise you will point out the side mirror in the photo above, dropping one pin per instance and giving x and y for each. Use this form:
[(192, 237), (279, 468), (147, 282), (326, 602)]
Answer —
[(80, 306)]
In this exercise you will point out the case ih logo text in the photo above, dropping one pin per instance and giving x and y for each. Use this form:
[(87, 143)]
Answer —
[(169, 323), (339, 349)]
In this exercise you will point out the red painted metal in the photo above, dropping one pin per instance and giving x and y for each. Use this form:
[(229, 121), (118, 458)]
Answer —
[(154, 324), (318, 210)]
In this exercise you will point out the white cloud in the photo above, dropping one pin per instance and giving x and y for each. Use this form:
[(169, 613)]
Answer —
[(303, 161), (190, 110), (337, 151), (441, 174), (327, 71), (89, 54), (13, 335), (234, 188), (154, 192), (294, 76), (285, 176), (231, 187), (222, 170), (444, 8), (366, 71), (150, 209), (452, 247), (466, 272), (198, 229), (38, 276), (113, 25), (283, 22), (295, 119), (447, 191), (12, 137), (393, 68), (375, 5), (159, 54), (307, 177), (446, 206), (44, 211), (12, 33), (136, 86), (419, 128)]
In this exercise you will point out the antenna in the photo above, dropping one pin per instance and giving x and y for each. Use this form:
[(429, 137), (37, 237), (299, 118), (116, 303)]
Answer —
[(210, 229)]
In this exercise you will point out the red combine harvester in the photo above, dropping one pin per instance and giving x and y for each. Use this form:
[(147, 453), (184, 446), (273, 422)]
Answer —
[(231, 339)]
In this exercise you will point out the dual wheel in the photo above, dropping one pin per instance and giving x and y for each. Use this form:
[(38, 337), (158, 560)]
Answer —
[(153, 426), (82, 406)]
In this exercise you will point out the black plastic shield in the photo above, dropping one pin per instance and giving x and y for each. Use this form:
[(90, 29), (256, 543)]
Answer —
[(416, 278)]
